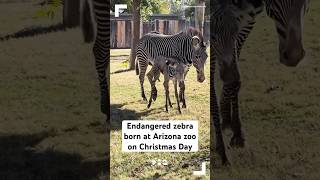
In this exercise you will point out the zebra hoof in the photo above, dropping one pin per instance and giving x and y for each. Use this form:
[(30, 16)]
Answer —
[(237, 142), (154, 97), (144, 97), (149, 105)]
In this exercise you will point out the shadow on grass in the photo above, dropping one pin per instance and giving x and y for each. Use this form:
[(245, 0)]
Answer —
[(121, 71), (33, 31), (118, 114), (20, 160)]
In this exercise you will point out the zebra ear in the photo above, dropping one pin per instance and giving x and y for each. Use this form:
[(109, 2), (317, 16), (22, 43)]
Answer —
[(195, 41)]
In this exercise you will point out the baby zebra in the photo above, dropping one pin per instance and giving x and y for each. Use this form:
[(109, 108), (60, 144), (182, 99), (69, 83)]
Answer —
[(173, 70)]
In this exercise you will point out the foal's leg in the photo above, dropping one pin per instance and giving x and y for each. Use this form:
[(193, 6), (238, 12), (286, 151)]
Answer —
[(166, 88), (218, 142), (156, 76), (181, 94), (230, 76), (176, 94), (169, 101), (237, 139), (225, 104), (150, 76)]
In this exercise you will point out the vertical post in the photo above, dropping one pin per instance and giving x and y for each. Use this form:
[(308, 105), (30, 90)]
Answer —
[(199, 15), (135, 32)]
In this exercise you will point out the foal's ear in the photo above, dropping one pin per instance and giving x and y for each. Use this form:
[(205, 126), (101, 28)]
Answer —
[(195, 41)]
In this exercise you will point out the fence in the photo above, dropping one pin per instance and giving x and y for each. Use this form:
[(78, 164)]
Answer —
[(121, 28)]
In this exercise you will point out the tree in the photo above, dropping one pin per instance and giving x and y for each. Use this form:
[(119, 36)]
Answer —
[(199, 15), (135, 32)]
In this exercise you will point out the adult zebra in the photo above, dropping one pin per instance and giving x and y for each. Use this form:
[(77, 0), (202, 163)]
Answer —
[(232, 21), (186, 46)]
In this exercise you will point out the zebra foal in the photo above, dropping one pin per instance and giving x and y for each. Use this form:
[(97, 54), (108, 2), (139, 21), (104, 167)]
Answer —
[(173, 70)]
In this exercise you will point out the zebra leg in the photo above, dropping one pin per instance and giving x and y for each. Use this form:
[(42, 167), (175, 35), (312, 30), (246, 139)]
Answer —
[(154, 91), (181, 94), (215, 119), (214, 116), (152, 83), (142, 71), (237, 139), (101, 67), (169, 101), (176, 94), (182, 97), (166, 87), (225, 104), (230, 76)]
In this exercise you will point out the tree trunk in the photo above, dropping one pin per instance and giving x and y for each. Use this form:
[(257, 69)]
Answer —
[(135, 32), (199, 15), (71, 13)]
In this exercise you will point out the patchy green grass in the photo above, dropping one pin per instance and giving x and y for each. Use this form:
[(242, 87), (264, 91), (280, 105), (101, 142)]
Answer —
[(126, 103)]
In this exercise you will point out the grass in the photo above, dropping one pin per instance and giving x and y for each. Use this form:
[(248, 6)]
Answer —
[(119, 52)]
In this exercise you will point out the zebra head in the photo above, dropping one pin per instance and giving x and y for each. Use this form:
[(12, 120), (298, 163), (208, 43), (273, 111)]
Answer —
[(177, 69), (288, 17), (229, 17), (199, 57)]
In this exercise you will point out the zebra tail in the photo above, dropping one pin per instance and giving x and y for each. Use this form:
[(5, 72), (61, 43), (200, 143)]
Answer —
[(87, 22), (137, 67)]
